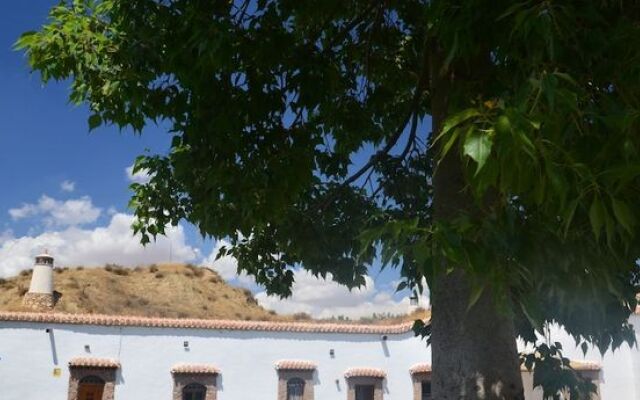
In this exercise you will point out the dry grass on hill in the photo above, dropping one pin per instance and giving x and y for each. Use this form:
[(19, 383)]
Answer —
[(165, 290), (169, 290)]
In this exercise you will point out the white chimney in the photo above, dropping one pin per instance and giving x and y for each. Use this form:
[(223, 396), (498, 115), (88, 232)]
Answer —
[(40, 295)]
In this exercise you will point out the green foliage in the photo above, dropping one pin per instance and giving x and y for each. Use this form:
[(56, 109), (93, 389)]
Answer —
[(555, 375), (269, 102)]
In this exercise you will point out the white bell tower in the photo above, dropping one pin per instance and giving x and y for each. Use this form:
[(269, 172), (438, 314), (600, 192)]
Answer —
[(40, 295)]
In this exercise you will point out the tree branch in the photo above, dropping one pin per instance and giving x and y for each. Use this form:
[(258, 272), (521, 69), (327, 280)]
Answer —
[(412, 136)]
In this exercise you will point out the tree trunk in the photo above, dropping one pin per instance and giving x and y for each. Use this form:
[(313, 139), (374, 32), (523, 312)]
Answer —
[(474, 352)]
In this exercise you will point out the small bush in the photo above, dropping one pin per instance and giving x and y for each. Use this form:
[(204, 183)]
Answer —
[(272, 312), (22, 290), (153, 268), (198, 272), (25, 272), (108, 267), (121, 271), (2, 281), (73, 284), (188, 274), (80, 268), (159, 275), (301, 316), (214, 279), (143, 302), (58, 270), (249, 297)]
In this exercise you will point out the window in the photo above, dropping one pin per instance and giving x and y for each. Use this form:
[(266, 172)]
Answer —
[(365, 383), (295, 379), (426, 390), (194, 391), (90, 388), (295, 389), (195, 381), (92, 378), (365, 392)]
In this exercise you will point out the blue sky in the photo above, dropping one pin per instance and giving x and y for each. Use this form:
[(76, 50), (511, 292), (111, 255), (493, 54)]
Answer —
[(67, 189)]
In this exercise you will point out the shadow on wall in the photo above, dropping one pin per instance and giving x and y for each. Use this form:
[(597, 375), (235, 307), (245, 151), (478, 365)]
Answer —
[(54, 352)]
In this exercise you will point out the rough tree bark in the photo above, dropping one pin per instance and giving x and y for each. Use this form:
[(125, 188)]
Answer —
[(474, 352)]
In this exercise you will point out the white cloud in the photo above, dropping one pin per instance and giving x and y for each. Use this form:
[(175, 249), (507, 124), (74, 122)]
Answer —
[(68, 186), (317, 297), (113, 243), (322, 298), (59, 213), (227, 266), (141, 176)]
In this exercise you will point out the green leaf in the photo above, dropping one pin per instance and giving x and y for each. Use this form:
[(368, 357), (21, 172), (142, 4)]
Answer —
[(450, 142), (474, 296), (477, 145), (94, 121), (457, 119), (623, 214)]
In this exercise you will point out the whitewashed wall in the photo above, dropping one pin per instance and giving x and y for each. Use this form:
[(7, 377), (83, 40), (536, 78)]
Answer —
[(246, 359), (28, 356)]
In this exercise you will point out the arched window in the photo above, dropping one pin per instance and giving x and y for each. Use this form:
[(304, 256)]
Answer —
[(90, 388), (194, 391), (295, 389)]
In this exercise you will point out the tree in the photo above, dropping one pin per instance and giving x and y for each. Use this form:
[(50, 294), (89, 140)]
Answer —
[(517, 209)]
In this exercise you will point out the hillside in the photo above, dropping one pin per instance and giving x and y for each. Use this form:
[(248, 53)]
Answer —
[(164, 290), (169, 290)]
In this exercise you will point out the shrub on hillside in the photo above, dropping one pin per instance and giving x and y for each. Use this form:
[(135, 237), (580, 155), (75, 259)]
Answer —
[(301, 316)]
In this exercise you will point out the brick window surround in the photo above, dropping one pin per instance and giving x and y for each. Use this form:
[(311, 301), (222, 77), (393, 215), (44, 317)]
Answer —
[(295, 369), (419, 373), (365, 376), (104, 371), (185, 374), (417, 380)]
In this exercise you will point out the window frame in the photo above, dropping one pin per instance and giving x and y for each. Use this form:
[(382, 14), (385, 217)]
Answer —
[(181, 380), (286, 375), (418, 378), (78, 373), (376, 382), (194, 386)]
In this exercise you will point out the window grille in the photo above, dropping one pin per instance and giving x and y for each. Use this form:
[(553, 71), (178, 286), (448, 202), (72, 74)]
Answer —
[(194, 391), (295, 389), (365, 392), (426, 390)]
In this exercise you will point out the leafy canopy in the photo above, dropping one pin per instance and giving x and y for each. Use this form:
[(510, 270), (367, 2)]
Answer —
[(269, 102)]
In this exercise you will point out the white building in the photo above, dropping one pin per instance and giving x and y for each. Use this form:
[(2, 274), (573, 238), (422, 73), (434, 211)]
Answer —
[(51, 356)]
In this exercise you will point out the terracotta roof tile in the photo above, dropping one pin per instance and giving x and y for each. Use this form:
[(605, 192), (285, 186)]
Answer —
[(114, 320), (89, 362), (298, 365), (422, 368), (581, 365), (578, 365), (194, 369), (365, 372)]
